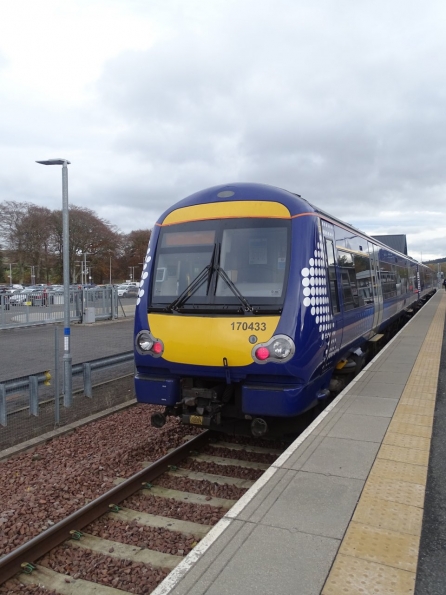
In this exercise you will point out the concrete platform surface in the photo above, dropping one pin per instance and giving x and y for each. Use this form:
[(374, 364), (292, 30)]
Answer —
[(341, 511)]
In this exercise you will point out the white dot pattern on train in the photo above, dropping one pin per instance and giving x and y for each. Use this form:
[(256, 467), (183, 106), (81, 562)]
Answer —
[(315, 294), (144, 275)]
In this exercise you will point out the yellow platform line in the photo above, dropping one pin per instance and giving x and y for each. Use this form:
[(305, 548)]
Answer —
[(379, 551)]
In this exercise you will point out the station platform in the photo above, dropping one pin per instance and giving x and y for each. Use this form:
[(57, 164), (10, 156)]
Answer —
[(341, 511)]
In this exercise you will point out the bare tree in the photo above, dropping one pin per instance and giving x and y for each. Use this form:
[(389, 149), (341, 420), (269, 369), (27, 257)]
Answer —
[(35, 235)]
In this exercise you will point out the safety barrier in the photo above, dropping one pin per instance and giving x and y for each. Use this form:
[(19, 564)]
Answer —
[(32, 383)]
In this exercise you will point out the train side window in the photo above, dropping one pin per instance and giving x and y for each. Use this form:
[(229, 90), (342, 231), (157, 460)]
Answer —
[(388, 279), (332, 276), (363, 278), (349, 284), (403, 279), (422, 278)]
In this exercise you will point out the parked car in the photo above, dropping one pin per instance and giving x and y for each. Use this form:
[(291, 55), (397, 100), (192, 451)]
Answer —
[(20, 297), (127, 290)]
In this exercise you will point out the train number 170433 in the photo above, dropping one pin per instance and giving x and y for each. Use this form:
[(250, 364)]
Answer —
[(248, 326)]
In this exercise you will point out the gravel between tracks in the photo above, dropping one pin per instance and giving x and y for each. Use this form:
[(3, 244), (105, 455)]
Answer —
[(41, 487), (153, 538), (83, 564)]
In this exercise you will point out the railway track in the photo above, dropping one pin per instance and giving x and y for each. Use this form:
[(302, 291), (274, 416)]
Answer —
[(131, 537)]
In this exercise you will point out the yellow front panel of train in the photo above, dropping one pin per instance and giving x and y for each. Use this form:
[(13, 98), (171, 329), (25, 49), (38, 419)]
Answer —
[(205, 341)]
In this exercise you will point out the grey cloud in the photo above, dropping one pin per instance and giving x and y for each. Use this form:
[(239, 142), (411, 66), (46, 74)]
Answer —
[(341, 102)]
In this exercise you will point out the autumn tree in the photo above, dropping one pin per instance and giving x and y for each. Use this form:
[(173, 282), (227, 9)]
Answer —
[(31, 235), (11, 217), (88, 235), (35, 234), (25, 231), (133, 249)]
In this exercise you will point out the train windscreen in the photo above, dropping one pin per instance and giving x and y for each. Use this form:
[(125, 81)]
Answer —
[(222, 263)]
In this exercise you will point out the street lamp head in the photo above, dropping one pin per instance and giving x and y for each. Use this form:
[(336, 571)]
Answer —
[(58, 161)]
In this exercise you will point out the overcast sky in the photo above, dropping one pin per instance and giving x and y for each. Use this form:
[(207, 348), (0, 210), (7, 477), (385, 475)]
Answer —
[(341, 101)]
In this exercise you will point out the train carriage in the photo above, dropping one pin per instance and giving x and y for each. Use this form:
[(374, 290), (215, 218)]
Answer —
[(253, 302)]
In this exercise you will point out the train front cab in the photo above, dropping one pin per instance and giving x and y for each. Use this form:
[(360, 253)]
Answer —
[(214, 307)]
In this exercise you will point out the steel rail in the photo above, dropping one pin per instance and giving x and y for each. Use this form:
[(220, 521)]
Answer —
[(38, 546)]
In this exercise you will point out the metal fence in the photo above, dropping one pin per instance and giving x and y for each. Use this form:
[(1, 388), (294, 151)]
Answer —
[(41, 306), (31, 374)]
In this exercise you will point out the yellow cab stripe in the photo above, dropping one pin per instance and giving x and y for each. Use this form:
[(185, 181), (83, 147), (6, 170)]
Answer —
[(206, 340), (228, 210)]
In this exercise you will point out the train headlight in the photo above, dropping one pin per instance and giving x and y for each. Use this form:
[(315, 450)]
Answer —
[(144, 341), (279, 350), (146, 344)]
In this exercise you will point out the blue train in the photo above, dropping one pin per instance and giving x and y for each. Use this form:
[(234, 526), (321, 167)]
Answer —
[(254, 305)]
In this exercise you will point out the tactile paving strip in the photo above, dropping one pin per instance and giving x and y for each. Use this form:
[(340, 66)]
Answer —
[(379, 551), (355, 576)]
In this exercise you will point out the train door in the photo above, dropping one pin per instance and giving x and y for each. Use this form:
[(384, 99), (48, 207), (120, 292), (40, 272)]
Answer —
[(377, 288), (334, 336)]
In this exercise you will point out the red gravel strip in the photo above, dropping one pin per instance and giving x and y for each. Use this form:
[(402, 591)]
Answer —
[(200, 486), (184, 511), (227, 470), (152, 538), (122, 574)]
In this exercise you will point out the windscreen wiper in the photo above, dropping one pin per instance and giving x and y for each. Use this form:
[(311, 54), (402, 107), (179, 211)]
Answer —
[(248, 309), (194, 286)]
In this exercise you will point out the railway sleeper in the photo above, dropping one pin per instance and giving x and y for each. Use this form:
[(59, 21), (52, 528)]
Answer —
[(246, 448), (212, 478), (225, 462), (187, 528), (203, 476), (239, 447), (187, 497), (53, 581), (123, 551)]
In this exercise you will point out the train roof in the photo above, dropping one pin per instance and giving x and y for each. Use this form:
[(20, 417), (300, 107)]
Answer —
[(295, 203), (244, 191)]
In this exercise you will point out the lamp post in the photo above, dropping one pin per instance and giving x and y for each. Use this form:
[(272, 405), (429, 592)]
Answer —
[(67, 359), (10, 272), (84, 270), (110, 254)]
